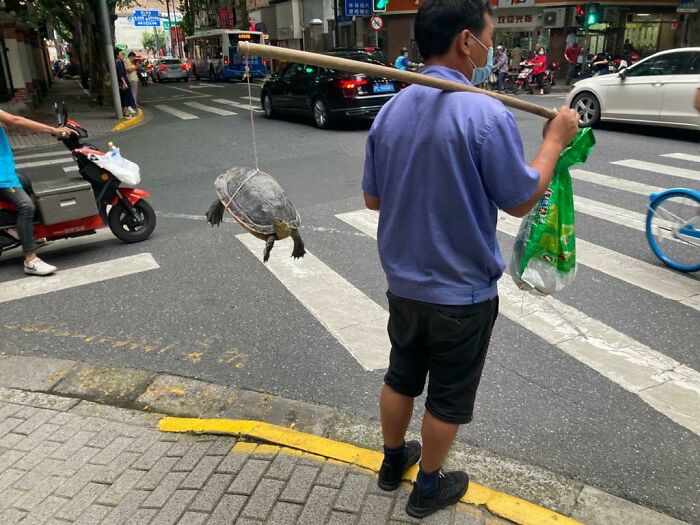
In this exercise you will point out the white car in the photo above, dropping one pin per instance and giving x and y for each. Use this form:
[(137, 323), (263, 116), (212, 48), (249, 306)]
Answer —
[(659, 90)]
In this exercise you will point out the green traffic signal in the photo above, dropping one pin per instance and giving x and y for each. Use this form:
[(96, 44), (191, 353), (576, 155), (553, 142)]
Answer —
[(592, 15), (380, 5)]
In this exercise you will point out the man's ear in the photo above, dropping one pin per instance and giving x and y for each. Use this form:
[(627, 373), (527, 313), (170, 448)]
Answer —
[(462, 43)]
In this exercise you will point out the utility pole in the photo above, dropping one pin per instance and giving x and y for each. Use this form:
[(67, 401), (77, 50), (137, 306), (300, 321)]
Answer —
[(109, 51), (335, 25), (170, 25)]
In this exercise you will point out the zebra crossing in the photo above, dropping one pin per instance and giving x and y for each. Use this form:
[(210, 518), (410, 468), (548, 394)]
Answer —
[(216, 106), (662, 382)]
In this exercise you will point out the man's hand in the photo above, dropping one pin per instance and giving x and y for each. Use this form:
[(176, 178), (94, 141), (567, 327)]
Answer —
[(63, 131), (563, 128)]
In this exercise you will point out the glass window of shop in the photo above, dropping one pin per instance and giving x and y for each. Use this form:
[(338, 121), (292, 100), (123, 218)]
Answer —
[(642, 31)]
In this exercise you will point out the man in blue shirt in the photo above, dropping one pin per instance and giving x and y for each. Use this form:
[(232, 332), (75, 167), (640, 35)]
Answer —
[(12, 191), (439, 165), (403, 63)]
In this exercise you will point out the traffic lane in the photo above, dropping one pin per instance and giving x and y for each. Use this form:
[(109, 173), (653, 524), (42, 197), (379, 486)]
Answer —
[(213, 311)]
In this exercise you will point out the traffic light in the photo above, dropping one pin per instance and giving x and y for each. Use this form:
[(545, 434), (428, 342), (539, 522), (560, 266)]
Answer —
[(592, 14), (379, 6), (580, 15)]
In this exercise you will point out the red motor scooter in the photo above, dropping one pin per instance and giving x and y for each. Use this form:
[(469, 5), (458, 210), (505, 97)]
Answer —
[(76, 206)]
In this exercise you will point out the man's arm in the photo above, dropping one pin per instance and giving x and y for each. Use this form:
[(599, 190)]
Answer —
[(31, 125), (558, 134), (373, 203)]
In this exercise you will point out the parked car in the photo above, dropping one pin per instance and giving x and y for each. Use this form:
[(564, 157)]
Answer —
[(658, 90), (325, 94), (375, 53), (170, 68)]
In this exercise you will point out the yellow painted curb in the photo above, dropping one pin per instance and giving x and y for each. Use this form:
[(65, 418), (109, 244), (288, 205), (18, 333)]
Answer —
[(129, 123), (501, 504)]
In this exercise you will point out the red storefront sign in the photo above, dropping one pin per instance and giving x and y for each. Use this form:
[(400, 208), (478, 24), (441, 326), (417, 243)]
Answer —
[(226, 18)]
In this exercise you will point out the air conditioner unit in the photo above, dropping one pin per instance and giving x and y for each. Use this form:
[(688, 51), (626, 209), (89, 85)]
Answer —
[(553, 18)]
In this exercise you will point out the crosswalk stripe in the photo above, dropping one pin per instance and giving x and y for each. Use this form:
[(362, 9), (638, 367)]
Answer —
[(210, 109), (655, 279), (668, 386), (68, 169), (235, 104), (354, 319), (683, 156), (614, 214), (659, 168), (176, 112), (91, 273), (39, 163), (615, 183), (42, 155)]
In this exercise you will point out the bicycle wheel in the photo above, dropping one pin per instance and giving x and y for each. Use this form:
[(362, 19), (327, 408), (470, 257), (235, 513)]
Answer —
[(673, 229)]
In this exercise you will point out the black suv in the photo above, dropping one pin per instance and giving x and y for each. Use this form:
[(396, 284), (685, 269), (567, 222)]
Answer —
[(326, 94)]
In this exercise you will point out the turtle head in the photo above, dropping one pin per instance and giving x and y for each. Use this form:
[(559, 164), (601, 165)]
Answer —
[(282, 229)]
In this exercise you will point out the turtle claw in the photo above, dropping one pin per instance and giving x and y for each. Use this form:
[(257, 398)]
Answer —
[(299, 251), (215, 213), (268, 247)]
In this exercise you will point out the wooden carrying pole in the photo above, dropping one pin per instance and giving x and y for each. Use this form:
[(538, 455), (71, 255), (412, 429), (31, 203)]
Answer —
[(375, 70)]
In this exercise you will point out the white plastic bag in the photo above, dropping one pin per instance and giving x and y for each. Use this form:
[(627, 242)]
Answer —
[(126, 171)]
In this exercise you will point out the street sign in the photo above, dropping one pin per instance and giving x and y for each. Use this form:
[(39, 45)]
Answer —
[(358, 7), (144, 18), (376, 23)]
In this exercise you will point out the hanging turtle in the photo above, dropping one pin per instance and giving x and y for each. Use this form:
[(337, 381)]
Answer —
[(260, 205)]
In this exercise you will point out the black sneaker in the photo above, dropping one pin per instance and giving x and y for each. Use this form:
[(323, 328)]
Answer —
[(451, 487), (390, 476)]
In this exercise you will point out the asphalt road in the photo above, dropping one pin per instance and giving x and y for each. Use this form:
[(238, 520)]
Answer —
[(213, 311)]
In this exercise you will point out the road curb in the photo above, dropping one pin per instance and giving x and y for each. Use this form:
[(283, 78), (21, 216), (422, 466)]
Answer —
[(501, 504), (130, 123), (151, 395)]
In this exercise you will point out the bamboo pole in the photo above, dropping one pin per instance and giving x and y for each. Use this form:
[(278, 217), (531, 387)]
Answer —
[(354, 66)]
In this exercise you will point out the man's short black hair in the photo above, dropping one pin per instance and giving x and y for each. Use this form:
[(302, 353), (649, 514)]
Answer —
[(438, 21)]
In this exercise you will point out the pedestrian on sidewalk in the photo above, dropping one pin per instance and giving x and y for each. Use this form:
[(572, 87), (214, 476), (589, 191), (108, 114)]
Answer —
[(500, 67), (539, 66), (439, 187), (571, 54), (127, 98), (133, 76), (12, 190)]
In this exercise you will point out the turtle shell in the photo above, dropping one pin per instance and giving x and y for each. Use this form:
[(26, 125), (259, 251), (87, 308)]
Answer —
[(255, 199)]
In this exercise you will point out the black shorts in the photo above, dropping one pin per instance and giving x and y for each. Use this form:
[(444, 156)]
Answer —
[(447, 342)]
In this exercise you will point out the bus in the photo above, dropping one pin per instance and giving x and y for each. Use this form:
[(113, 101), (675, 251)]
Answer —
[(214, 54)]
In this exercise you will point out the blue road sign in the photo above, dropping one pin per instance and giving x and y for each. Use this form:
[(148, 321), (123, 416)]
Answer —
[(143, 18), (358, 7), (140, 13)]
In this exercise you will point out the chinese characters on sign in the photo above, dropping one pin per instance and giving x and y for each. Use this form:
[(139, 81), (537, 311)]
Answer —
[(226, 18), (517, 18), (514, 19), (358, 7)]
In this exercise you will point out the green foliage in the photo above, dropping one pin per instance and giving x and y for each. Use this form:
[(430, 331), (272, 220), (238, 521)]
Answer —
[(148, 39)]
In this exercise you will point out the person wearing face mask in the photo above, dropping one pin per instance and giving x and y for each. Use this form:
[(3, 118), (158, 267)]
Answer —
[(539, 66), (438, 187)]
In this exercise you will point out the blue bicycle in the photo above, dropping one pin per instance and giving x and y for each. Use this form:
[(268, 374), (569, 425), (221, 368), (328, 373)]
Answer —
[(673, 228)]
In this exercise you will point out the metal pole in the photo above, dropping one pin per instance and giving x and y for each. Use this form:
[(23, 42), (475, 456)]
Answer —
[(111, 64), (170, 26), (155, 35), (335, 24)]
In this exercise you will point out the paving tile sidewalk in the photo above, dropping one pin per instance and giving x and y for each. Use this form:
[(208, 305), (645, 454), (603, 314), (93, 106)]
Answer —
[(98, 120), (63, 460)]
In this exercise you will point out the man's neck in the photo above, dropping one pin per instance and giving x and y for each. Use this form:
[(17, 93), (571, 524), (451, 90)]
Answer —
[(447, 62)]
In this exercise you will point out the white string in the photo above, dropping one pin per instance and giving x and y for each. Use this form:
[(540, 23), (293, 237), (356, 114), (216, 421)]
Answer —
[(252, 121)]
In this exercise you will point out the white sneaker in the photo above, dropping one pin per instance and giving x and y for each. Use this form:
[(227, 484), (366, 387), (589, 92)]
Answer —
[(38, 267)]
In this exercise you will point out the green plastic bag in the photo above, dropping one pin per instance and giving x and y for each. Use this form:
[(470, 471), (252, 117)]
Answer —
[(544, 254)]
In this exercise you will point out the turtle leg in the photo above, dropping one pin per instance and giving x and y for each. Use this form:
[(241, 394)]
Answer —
[(215, 213), (268, 247), (299, 250)]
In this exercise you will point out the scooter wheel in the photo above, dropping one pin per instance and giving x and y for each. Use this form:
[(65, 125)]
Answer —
[(120, 222)]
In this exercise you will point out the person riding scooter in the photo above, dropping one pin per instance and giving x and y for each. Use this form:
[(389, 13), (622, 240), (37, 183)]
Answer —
[(11, 189)]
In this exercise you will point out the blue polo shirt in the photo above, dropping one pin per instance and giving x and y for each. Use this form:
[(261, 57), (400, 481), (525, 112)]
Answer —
[(8, 176), (442, 163)]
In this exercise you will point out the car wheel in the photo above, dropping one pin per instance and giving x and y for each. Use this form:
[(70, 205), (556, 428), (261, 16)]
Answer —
[(322, 118), (267, 106), (588, 108)]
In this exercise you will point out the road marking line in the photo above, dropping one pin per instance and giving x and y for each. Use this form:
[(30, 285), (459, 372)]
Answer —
[(683, 156), (355, 320), (176, 112), (91, 273), (655, 279), (659, 168), (614, 214), (615, 183), (668, 386), (233, 103), (68, 169), (42, 155), (205, 86), (210, 109), (39, 163), (183, 89)]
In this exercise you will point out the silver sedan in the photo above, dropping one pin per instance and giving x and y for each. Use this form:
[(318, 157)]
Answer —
[(170, 69)]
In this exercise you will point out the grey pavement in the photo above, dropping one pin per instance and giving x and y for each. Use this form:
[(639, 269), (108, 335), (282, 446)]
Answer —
[(68, 461), (213, 312), (98, 120)]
